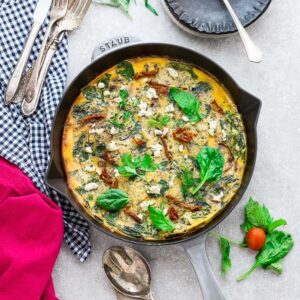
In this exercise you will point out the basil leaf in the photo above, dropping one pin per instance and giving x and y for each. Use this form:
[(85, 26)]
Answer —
[(211, 163), (187, 102), (149, 7), (159, 220), (225, 250), (112, 200), (126, 70), (257, 215), (278, 245)]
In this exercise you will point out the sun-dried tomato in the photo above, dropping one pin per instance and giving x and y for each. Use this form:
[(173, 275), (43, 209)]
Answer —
[(132, 214), (143, 74), (161, 89), (173, 214), (93, 117), (180, 203), (183, 135), (109, 179)]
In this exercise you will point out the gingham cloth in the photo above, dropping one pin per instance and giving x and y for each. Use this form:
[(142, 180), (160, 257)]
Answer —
[(25, 141)]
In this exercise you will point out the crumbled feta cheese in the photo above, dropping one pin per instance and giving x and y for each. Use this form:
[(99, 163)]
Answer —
[(101, 85), (117, 100), (145, 80), (144, 110), (114, 131), (98, 171), (185, 118), (180, 148), (116, 172), (88, 149), (158, 132), (165, 131), (96, 130), (212, 127), (154, 189), (172, 72), (224, 135), (165, 211), (112, 146), (218, 197), (89, 168), (151, 94), (185, 156), (156, 149), (144, 205), (106, 93), (170, 108), (91, 186)]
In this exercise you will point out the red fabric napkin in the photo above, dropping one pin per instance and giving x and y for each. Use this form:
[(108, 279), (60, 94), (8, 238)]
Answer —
[(31, 230)]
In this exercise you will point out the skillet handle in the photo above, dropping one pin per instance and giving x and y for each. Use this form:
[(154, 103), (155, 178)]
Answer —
[(211, 289)]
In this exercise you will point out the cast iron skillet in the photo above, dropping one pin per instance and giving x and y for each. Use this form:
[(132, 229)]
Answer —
[(248, 106)]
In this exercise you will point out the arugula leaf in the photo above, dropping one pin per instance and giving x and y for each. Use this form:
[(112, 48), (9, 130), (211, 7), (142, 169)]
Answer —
[(149, 7), (278, 245), (112, 200), (187, 102), (126, 70), (211, 163), (136, 167), (179, 66), (259, 216), (123, 94), (159, 122), (187, 179), (159, 220), (225, 250)]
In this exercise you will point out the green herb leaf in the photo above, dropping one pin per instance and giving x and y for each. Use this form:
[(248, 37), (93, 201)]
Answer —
[(211, 163), (91, 93), (148, 6), (179, 66), (275, 267), (225, 250), (187, 102), (278, 245), (159, 122), (147, 164), (257, 215), (123, 94), (159, 220), (202, 87), (105, 79), (126, 70), (112, 200), (187, 179)]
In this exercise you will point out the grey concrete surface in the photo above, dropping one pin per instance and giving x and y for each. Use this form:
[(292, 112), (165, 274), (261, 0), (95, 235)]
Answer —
[(276, 179)]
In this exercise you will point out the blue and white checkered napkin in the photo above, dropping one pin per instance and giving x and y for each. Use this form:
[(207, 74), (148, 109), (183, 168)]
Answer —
[(25, 141)]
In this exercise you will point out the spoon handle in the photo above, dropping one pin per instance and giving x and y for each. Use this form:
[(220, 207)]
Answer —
[(253, 52)]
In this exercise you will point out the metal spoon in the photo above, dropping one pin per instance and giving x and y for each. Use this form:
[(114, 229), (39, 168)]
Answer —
[(128, 272), (254, 53)]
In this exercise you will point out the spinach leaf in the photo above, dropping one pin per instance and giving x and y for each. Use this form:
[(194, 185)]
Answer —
[(79, 148), (112, 200), (123, 94), (137, 167), (187, 179), (225, 250), (135, 231), (211, 163), (202, 87), (164, 186), (275, 267), (126, 70), (187, 102), (278, 245), (105, 79), (257, 215), (91, 93), (159, 220), (179, 66), (149, 7), (159, 122)]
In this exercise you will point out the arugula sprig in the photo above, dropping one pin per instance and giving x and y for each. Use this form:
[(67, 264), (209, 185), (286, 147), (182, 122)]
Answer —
[(277, 245), (136, 167)]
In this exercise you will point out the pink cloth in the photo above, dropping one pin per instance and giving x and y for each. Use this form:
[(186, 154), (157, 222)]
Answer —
[(31, 230)]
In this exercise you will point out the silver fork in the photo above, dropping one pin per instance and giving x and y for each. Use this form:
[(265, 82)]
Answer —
[(73, 18), (58, 11)]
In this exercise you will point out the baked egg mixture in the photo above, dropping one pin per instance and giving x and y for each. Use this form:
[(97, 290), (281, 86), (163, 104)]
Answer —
[(153, 148)]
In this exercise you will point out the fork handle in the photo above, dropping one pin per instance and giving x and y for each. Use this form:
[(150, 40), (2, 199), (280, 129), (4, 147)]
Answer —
[(28, 108), (31, 84), (13, 84)]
